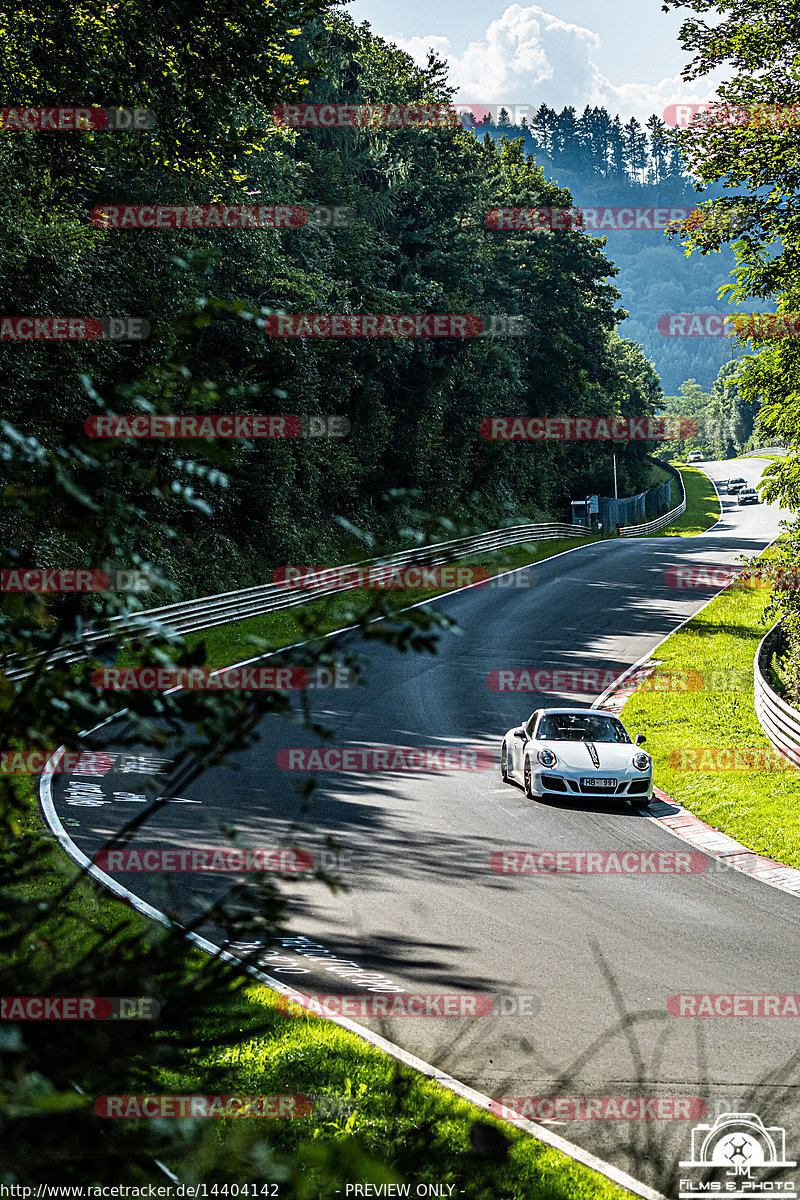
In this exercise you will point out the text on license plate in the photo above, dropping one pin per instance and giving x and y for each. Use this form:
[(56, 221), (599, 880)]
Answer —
[(594, 782)]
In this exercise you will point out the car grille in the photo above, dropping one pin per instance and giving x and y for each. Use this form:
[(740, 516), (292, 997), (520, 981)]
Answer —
[(554, 783), (639, 785)]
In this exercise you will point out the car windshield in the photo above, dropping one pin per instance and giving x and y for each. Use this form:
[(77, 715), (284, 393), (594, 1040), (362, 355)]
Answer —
[(577, 727)]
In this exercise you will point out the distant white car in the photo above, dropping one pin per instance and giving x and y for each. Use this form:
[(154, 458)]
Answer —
[(736, 485), (748, 496), (577, 752), (695, 456)]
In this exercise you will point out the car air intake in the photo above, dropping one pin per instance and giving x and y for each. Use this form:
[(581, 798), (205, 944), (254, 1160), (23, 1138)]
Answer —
[(554, 783)]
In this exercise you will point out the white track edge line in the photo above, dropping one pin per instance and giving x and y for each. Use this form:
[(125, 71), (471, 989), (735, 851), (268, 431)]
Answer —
[(616, 686), (540, 1132)]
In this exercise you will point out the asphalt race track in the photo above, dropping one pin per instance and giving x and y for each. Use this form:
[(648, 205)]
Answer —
[(564, 957)]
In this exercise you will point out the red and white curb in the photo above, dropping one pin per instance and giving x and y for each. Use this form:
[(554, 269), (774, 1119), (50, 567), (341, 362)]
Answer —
[(684, 824)]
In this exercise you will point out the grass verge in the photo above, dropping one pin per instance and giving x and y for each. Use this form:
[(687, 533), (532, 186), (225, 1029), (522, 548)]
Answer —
[(761, 809), (372, 1119), (702, 505), (417, 1127)]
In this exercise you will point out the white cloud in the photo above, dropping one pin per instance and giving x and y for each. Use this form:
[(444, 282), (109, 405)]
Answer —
[(418, 47), (529, 56)]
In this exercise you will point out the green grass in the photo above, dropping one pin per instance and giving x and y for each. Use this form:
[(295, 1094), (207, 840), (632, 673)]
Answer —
[(404, 1118), (761, 809), (702, 506), (658, 474), (411, 1127)]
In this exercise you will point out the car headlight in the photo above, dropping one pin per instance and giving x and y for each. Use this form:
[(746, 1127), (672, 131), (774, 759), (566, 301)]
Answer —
[(641, 762), (547, 758)]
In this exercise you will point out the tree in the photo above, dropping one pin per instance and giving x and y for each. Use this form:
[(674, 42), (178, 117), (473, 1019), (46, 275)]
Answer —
[(750, 142), (634, 141), (658, 151)]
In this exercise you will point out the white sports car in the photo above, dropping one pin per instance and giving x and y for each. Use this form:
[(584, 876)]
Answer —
[(577, 752)]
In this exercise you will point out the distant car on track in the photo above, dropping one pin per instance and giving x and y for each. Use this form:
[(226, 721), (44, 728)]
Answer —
[(577, 752), (695, 456), (736, 485), (748, 496)]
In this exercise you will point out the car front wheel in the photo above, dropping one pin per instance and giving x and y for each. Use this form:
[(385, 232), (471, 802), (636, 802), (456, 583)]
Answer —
[(504, 763), (527, 776)]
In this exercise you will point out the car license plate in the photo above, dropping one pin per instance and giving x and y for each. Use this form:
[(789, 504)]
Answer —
[(594, 782)]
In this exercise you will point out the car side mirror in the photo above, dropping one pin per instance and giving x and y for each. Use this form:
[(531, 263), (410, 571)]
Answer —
[(520, 733), (640, 739)]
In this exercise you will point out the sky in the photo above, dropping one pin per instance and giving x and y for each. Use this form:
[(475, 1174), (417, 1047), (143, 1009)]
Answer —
[(623, 55)]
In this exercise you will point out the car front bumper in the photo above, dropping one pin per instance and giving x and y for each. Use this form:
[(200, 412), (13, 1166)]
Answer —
[(628, 786)]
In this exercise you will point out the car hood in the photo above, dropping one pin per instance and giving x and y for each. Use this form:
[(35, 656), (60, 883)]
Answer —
[(612, 756)]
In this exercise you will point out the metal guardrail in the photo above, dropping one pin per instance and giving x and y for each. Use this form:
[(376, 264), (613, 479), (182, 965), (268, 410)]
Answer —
[(189, 616), (780, 722), (666, 519), (764, 450)]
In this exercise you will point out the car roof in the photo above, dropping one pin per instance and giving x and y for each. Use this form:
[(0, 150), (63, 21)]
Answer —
[(575, 712)]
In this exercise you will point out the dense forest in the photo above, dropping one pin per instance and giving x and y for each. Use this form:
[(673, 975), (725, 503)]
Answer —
[(607, 164), (212, 514), (418, 243)]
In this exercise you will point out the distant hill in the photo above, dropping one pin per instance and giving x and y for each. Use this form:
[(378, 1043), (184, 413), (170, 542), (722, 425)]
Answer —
[(607, 164)]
